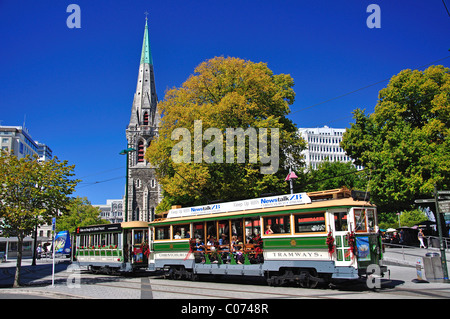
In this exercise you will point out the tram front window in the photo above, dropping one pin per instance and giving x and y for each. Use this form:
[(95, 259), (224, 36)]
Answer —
[(360, 220), (140, 236), (371, 219), (340, 221)]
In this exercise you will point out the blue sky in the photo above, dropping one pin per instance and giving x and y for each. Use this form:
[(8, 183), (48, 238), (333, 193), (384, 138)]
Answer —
[(75, 86)]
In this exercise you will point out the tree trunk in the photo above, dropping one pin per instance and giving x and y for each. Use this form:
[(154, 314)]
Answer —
[(19, 260)]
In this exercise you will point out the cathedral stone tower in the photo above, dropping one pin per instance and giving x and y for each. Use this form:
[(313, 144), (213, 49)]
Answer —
[(144, 192)]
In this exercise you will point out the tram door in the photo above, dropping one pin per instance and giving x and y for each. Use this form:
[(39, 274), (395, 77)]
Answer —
[(136, 245), (127, 245), (343, 255)]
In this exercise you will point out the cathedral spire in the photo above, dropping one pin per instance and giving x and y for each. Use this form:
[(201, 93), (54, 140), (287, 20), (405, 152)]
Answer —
[(143, 191), (146, 55), (144, 104)]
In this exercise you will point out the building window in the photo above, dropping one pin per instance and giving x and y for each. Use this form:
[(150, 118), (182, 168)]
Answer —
[(146, 118), (141, 152)]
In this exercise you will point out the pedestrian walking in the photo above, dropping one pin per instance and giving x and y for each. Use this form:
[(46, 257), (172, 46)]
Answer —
[(39, 251), (421, 236)]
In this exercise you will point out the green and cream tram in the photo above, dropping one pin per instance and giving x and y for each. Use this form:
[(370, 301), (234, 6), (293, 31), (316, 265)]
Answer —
[(296, 238), (113, 248)]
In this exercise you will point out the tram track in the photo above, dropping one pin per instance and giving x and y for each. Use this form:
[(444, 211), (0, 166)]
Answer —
[(188, 288), (217, 293)]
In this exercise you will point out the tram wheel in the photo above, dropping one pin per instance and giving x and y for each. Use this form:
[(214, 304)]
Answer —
[(306, 281), (309, 278), (176, 273)]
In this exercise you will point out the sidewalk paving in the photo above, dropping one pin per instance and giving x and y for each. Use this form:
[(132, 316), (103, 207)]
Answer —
[(37, 280)]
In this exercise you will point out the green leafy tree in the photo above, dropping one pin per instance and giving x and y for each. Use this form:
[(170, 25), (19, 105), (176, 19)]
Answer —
[(331, 175), (412, 217), (405, 142), (79, 213), (225, 93), (32, 193)]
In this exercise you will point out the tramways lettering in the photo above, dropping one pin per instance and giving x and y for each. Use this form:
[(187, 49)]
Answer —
[(280, 255)]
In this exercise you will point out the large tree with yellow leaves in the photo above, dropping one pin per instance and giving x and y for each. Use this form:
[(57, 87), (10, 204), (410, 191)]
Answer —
[(225, 93)]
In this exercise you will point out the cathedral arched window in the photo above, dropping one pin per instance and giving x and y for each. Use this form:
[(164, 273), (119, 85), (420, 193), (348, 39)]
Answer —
[(146, 118), (141, 151)]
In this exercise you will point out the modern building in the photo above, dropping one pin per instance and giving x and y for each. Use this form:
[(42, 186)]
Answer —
[(112, 211), (324, 143), (18, 141), (144, 192)]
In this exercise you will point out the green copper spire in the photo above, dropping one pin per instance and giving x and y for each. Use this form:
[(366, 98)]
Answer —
[(146, 55)]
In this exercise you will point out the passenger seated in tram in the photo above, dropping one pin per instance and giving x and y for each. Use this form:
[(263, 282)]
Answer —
[(240, 252), (199, 245), (268, 230), (224, 248), (212, 245), (199, 249)]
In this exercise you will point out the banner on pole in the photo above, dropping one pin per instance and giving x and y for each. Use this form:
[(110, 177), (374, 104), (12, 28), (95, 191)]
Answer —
[(62, 243)]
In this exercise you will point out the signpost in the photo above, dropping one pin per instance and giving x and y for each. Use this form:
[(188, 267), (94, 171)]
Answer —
[(441, 239), (53, 248), (442, 206)]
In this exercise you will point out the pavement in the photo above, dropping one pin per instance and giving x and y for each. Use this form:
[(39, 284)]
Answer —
[(70, 283)]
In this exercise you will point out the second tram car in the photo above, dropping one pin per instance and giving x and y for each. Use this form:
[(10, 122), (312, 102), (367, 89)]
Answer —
[(297, 238), (113, 248)]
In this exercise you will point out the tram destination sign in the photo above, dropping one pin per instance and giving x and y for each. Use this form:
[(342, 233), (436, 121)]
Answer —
[(263, 202), (99, 228)]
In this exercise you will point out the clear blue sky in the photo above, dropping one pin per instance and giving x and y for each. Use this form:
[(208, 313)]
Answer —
[(76, 86)]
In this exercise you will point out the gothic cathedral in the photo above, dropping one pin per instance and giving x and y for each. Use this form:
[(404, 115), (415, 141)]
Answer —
[(144, 192)]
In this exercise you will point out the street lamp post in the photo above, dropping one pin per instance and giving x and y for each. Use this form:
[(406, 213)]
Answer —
[(290, 178), (125, 152)]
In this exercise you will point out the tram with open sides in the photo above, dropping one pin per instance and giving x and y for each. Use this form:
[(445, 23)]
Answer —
[(113, 248), (298, 238)]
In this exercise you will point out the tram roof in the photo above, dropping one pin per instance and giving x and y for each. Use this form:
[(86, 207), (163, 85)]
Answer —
[(313, 206), (134, 224)]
